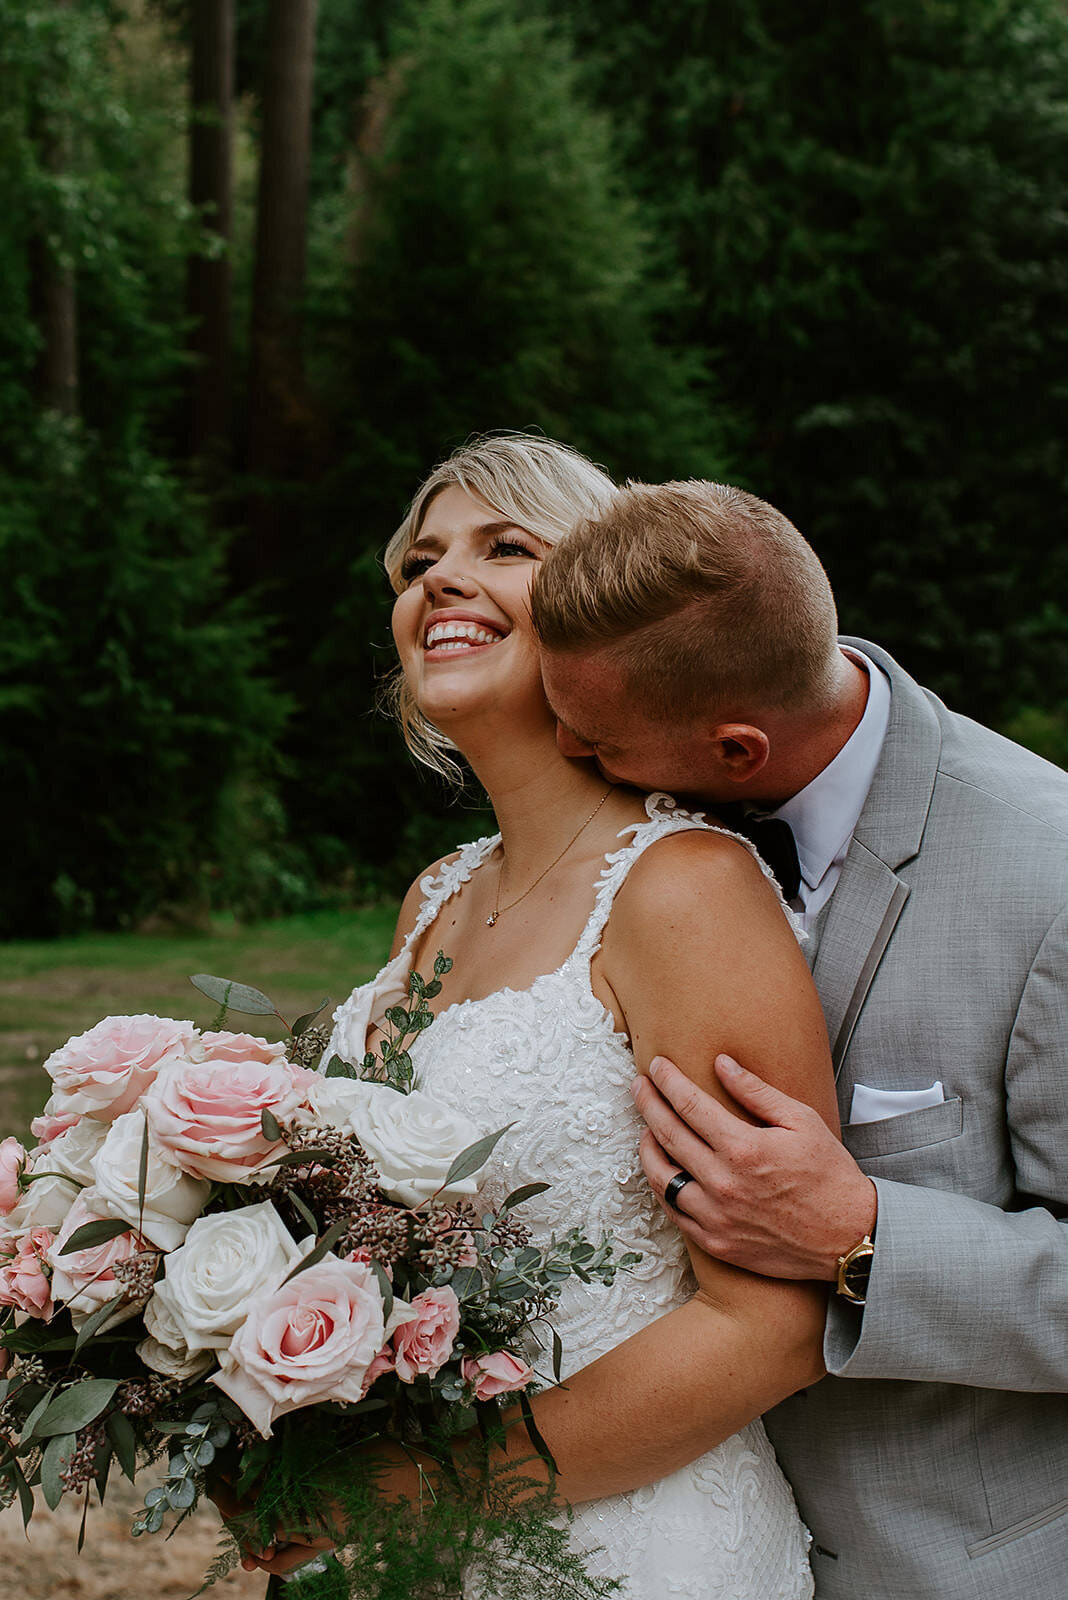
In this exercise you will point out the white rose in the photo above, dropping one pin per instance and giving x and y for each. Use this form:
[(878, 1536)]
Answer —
[(412, 1139), (225, 1260), (165, 1351), (72, 1153), (45, 1203), (332, 1102), (172, 1363), (61, 1170), (172, 1198)]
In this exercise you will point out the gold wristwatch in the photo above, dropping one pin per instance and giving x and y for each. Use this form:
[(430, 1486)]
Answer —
[(854, 1270)]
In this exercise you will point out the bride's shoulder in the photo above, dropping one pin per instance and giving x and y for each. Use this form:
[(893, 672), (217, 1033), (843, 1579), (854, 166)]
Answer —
[(695, 877), (436, 883)]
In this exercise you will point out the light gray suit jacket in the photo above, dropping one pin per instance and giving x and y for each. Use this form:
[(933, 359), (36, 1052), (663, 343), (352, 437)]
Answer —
[(934, 1461)]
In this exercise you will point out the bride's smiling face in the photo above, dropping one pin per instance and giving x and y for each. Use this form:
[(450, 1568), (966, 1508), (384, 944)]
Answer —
[(462, 623)]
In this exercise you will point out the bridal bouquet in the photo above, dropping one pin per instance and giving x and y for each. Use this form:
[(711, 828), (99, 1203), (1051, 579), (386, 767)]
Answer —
[(222, 1257)]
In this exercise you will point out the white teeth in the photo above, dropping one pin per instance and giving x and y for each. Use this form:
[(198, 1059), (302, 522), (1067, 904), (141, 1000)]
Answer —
[(458, 635)]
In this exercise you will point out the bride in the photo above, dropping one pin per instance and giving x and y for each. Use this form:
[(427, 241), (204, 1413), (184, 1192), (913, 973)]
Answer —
[(597, 930)]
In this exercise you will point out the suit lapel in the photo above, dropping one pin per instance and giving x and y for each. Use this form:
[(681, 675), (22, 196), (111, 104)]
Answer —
[(869, 896), (864, 909)]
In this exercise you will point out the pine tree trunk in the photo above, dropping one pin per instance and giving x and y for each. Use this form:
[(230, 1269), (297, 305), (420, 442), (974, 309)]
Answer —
[(211, 192), (55, 287), (276, 402)]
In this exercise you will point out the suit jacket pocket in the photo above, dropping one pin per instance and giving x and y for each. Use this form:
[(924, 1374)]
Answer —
[(931, 1125)]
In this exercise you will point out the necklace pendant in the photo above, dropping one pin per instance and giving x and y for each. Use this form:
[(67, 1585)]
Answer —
[(492, 919)]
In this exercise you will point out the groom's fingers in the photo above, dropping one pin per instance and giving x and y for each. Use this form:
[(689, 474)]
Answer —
[(685, 1147)]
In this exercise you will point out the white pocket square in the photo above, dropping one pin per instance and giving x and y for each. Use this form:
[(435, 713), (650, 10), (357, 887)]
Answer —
[(875, 1105)]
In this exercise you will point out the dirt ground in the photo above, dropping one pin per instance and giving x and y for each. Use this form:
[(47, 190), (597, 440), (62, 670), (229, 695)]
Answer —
[(112, 1566)]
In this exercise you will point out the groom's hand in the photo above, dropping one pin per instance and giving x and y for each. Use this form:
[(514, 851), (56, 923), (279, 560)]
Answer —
[(784, 1199)]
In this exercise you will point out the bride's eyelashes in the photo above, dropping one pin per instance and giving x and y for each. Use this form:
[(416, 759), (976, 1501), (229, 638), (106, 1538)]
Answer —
[(417, 562)]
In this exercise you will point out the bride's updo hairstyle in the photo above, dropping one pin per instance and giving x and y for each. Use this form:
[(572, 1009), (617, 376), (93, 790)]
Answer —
[(541, 486), (707, 600)]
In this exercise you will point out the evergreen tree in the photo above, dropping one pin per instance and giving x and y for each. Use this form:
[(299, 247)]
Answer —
[(869, 205), (483, 268), (133, 716)]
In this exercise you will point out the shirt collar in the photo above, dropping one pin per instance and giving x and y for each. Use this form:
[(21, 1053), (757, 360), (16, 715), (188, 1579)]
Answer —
[(825, 812)]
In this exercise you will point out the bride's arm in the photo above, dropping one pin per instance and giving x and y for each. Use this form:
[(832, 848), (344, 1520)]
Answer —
[(700, 960)]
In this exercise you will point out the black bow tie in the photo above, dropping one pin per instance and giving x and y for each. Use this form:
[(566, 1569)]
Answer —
[(773, 840)]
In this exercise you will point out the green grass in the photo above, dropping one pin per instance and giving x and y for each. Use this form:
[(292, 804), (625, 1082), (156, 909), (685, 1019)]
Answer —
[(51, 990)]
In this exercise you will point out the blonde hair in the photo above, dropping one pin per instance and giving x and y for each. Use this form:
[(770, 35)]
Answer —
[(706, 598), (543, 487)]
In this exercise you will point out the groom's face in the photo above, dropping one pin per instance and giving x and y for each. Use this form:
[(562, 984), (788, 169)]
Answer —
[(597, 717)]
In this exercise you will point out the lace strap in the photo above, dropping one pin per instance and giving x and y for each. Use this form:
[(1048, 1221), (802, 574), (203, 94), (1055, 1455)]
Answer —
[(664, 817), (437, 887)]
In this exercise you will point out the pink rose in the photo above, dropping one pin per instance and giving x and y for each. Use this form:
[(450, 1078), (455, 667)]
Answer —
[(104, 1072), (498, 1373), (314, 1338), (383, 1362), (12, 1166), (240, 1047), (52, 1123), (425, 1344), (207, 1116), (85, 1279), (25, 1280)]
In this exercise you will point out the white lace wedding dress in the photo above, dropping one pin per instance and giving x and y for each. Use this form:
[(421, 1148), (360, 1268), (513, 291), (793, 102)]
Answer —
[(549, 1059)]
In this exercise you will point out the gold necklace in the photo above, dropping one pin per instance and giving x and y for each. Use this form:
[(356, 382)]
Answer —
[(498, 909)]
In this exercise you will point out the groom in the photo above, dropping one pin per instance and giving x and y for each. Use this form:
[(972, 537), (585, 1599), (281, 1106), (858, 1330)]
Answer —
[(690, 645)]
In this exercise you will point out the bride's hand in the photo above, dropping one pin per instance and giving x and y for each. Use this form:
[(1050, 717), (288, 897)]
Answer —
[(284, 1555)]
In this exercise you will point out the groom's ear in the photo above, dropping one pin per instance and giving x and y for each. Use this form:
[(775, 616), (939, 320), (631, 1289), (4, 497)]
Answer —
[(741, 749)]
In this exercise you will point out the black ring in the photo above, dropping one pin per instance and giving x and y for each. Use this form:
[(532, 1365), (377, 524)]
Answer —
[(677, 1184)]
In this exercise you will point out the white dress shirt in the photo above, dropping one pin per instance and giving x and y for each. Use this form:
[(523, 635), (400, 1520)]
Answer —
[(824, 813)]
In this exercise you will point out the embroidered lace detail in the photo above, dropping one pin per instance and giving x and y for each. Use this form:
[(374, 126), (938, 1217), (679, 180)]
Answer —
[(549, 1059)]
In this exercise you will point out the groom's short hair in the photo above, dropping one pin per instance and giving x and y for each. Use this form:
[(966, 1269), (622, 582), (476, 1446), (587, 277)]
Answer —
[(704, 596)]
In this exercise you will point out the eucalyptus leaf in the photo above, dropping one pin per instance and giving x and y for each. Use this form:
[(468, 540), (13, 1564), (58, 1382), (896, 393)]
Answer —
[(325, 1245), (269, 1125), (180, 1495), (302, 1211), (519, 1196), (104, 1457), (465, 1282), (142, 1174), (385, 1287), (475, 1156), (25, 1493), (78, 1406), (558, 1354), (120, 1432), (234, 996), (58, 1452), (315, 1154), (94, 1233), (336, 1068), (30, 1425), (303, 1023), (398, 1018), (96, 1321), (535, 1437)]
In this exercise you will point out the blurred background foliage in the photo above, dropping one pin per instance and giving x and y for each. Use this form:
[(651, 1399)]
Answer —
[(263, 262)]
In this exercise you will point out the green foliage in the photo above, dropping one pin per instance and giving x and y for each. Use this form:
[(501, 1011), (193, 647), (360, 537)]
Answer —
[(869, 205), (127, 688), (482, 266), (480, 1526), (132, 702)]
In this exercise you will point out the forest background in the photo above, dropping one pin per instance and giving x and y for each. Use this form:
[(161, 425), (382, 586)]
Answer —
[(263, 262)]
